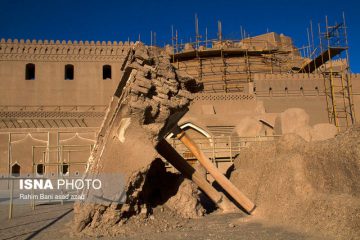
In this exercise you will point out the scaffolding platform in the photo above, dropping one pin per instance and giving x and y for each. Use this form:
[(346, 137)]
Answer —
[(322, 58), (211, 52)]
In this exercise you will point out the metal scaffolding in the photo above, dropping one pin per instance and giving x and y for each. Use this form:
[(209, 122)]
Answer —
[(227, 66), (337, 78), (230, 68)]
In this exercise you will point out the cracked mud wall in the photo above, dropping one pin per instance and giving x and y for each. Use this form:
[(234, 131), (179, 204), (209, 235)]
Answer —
[(149, 99)]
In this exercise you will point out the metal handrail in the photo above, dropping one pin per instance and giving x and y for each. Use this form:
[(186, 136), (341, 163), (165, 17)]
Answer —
[(220, 147)]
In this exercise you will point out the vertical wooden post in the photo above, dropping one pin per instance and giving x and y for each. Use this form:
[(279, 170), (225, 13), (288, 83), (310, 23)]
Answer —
[(11, 198), (213, 150), (9, 160), (34, 174), (230, 148)]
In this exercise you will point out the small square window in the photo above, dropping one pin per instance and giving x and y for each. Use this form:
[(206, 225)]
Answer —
[(30, 71), (69, 72), (106, 72)]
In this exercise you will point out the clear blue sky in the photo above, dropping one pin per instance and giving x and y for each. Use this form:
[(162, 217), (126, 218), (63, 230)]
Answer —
[(118, 20)]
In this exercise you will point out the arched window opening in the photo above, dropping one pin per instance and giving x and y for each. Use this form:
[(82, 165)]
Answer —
[(15, 170), (65, 169), (106, 72), (69, 72), (30, 71), (40, 169)]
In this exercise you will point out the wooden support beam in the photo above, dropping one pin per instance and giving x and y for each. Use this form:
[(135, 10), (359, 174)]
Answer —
[(225, 183), (173, 157)]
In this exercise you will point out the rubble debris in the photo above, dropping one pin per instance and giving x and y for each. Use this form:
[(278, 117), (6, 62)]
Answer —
[(172, 190), (186, 202)]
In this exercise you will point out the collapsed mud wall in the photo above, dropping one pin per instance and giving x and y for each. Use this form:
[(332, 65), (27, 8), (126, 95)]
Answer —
[(150, 98)]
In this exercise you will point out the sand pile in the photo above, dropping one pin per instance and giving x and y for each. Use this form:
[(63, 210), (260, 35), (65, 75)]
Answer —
[(150, 97), (313, 186)]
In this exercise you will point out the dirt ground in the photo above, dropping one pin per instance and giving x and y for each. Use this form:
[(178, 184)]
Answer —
[(52, 222), (46, 222)]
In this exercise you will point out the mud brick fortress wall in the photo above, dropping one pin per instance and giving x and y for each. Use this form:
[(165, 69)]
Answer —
[(52, 110), (49, 86)]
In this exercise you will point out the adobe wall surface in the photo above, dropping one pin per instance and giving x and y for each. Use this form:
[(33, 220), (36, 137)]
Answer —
[(271, 95), (259, 97), (49, 86), (314, 106), (355, 80), (17, 148), (270, 41), (220, 109), (304, 91)]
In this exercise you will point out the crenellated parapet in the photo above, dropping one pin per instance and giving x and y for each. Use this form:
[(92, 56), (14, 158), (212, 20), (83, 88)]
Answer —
[(295, 76), (45, 50), (298, 84), (355, 76), (287, 76)]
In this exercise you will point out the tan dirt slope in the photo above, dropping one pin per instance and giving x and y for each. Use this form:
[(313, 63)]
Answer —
[(312, 186)]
